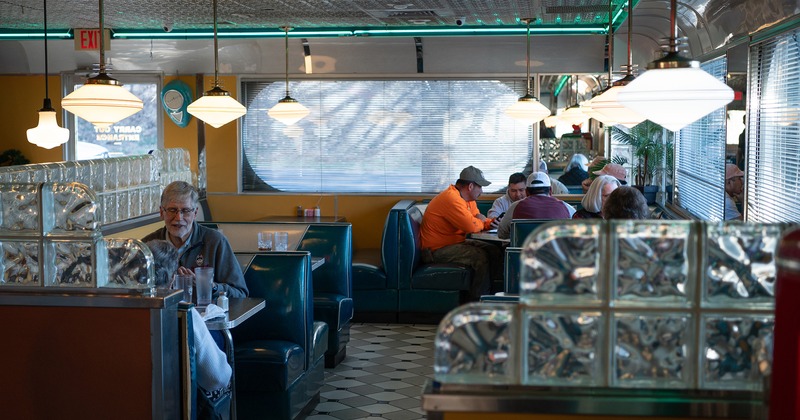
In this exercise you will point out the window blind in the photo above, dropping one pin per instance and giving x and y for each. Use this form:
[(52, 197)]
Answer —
[(773, 139), (700, 159), (382, 136)]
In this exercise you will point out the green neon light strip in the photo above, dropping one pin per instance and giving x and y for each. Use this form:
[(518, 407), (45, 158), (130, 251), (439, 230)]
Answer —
[(560, 85), (35, 35)]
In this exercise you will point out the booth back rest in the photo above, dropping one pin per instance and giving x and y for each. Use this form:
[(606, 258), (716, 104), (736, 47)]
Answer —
[(409, 250), (521, 228), (395, 243), (334, 242), (283, 280)]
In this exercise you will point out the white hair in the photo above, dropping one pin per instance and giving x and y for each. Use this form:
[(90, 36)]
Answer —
[(577, 160), (593, 199)]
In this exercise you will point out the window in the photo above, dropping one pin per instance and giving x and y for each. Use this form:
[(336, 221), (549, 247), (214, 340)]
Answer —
[(700, 159), (773, 144), (382, 136), (135, 135)]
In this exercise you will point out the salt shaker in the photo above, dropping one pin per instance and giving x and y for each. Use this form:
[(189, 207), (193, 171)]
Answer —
[(222, 301)]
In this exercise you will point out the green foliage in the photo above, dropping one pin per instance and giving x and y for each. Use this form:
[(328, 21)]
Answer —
[(13, 157), (647, 149)]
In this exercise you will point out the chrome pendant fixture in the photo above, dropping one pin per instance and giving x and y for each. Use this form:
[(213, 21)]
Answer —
[(573, 114), (288, 110), (216, 107), (48, 134), (102, 100), (527, 108), (675, 92)]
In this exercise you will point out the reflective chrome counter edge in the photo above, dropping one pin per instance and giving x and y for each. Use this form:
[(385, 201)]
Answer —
[(452, 398), (90, 297)]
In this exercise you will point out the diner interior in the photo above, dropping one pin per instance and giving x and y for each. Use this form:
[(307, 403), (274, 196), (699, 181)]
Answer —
[(317, 133)]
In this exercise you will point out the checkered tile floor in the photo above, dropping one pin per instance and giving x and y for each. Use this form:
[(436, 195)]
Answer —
[(382, 376)]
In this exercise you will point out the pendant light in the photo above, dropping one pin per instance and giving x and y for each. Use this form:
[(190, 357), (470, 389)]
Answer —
[(675, 92), (610, 111), (528, 109), (216, 107), (102, 100), (288, 110), (47, 134), (573, 115)]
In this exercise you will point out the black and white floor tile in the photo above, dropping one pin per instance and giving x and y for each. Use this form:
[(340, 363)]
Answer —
[(383, 375)]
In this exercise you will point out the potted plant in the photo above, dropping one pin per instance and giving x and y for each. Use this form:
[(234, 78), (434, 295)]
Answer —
[(647, 152)]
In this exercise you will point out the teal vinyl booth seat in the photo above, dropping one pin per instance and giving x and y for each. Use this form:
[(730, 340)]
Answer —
[(279, 352), (333, 281), (422, 292), (521, 228)]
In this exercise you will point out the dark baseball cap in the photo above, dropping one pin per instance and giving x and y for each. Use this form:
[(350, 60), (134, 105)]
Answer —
[(473, 174)]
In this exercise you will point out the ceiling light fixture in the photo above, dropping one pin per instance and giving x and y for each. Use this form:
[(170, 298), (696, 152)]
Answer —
[(527, 108), (102, 100), (573, 114), (675, 92), (610, 111), (216, 107), (288, 110), (47, 134)]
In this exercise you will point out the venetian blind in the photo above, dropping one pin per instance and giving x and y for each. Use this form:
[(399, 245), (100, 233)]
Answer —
[(700, 159), (382, 136), (773, 139)]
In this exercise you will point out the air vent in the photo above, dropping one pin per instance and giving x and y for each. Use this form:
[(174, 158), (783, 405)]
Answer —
[(597, 8), (412, 14)]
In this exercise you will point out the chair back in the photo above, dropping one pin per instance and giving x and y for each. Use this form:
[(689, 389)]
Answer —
[(283, 280), (521, 228), (395, 244), (512, 270)]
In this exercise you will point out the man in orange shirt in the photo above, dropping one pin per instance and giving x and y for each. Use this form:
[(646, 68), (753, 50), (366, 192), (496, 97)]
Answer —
[(449, 217)]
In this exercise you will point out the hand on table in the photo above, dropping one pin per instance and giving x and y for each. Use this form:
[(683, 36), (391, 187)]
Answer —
[(183, 271)]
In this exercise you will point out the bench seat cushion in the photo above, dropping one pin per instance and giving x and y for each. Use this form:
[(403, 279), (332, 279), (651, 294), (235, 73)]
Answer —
[(368, 277), (441, 277), (335, 309), (268, 365)]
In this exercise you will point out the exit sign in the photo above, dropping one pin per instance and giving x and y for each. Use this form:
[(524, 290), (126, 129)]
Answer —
[(89, 39)]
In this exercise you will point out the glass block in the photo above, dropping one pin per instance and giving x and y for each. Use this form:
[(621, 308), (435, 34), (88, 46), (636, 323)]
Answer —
[(109, 200), (123, 205), (20, 263), (739, 268), (475, 344), (97, 179), (155, 198), (137, 171), (134, 195), (130, 264), (75, 208), (123, 172), (72, 262), (652, 263), (737, 351), (20, 209), (560, 265), (563, 348), (652, 350), (83, 173), (111, 174)]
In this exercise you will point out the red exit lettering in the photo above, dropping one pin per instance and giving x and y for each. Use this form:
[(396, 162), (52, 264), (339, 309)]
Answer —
[(89, 39)]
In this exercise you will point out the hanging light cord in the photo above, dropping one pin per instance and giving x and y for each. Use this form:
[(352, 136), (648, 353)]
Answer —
[(286, 48), (610, 40), (630, 32), (528, 58), (216, 48), (46, 72), (673, 26), (102, 42)]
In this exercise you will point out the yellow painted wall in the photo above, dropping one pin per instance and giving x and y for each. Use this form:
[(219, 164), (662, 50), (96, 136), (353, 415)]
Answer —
[(367, 213)]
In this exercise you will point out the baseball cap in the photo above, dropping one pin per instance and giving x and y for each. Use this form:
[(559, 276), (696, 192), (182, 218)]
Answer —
[(732, 171), (473, 174), (538, 180), (613, 169)]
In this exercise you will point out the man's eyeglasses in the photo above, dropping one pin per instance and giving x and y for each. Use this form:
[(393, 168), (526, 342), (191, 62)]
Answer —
[(172, 211)]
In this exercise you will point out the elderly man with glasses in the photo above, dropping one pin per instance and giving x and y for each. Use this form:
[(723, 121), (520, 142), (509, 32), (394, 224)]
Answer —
[(198, 246)]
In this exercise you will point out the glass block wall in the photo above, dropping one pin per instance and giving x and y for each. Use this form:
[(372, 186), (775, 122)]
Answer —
[(626, 304)]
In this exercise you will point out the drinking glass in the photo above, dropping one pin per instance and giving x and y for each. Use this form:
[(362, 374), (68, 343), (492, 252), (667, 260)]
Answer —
[(265, 241), (281, 241), (204, 276), (185, 283)]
